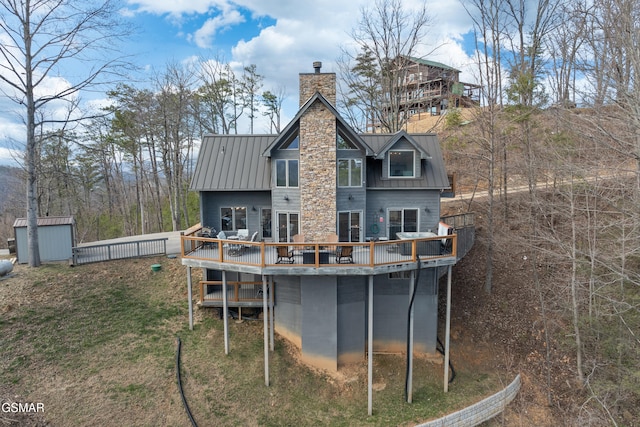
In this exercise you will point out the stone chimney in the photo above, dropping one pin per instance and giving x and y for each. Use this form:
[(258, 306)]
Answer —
[(310, 83), (318, 166)]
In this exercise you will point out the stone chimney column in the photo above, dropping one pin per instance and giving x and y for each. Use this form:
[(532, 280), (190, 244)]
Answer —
[(325, 83), (318, 157)]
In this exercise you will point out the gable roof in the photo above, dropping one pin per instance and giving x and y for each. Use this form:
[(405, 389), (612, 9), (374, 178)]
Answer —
[(431, 63), (433, 172), (386, 142), (233, 163), (290, 128)]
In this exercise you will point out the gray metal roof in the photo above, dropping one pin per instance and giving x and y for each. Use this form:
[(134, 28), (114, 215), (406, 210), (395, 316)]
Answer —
[(233, 163), (46, 221)]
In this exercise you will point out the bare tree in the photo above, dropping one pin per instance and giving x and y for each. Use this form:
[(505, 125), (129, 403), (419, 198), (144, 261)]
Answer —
[(386, 36), (40, 37)]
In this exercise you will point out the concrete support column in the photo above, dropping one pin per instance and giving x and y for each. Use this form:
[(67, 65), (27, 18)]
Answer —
[(190, 296), (370, 349), (447, 332), (225, 312), (265, 318)]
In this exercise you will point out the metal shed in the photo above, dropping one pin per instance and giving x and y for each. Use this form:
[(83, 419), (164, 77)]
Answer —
[(56, 238)]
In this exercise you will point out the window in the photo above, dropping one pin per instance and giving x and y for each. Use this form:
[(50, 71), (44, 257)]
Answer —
[(402, 220), (292, 144), (344, 144), (286, 173), (401, 164), (349, 226), (266, 223), (288, 226), (233, 218), (349, 172)]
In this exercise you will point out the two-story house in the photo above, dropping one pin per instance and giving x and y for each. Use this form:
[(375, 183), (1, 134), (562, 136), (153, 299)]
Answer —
[(338, 228)]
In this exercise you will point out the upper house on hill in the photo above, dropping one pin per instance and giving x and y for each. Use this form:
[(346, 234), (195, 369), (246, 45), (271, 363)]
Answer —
[(337, 226)]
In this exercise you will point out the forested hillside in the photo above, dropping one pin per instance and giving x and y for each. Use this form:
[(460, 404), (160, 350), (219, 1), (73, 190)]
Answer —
[(553, 282)]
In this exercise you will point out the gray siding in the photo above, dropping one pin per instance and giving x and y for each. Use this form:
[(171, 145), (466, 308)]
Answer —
[(211, 202), (416, 199)]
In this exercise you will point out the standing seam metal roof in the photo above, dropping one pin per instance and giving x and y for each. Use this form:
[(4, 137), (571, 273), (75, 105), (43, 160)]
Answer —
[(233, 163), (46, 221), (236, 163)]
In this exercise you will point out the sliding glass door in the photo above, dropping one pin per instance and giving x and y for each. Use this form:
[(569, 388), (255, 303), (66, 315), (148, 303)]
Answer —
[(401, 220), (288, 226), (349, 226)]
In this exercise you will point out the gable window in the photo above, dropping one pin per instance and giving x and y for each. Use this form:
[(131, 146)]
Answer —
[(286, 173), (344, 144), (234, 218), (349, 172), (292, 144), (401, 164)]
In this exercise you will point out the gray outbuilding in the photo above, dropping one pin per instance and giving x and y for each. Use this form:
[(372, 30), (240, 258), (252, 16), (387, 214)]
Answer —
[(56, 238)]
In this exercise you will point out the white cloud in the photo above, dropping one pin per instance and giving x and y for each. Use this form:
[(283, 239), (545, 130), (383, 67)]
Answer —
[(205, 35)]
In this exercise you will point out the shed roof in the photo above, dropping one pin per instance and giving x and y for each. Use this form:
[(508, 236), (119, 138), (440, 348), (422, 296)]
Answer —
[(46, 221)]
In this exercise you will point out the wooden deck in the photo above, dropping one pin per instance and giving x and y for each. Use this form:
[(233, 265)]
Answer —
[(239, 294), (318, 258)]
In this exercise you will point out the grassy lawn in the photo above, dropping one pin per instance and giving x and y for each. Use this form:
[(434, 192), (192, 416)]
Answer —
[(96, 344)]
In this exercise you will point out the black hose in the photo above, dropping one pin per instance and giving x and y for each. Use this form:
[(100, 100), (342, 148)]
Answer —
[(184, 400), (441, 351), (413, 296)]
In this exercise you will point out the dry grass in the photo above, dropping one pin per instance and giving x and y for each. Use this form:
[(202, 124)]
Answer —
[(96, 345)]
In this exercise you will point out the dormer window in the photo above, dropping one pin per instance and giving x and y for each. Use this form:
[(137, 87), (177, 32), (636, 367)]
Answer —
[(402, 164)]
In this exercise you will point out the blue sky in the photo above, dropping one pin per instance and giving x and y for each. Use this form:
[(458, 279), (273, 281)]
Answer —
[(281, 37)]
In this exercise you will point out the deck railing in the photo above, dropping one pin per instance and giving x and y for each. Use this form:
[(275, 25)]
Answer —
[(119, 250), (211, 291), (318, 254)]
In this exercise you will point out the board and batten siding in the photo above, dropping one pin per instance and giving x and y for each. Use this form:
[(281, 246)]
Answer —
[(427, 203), (211, 202)]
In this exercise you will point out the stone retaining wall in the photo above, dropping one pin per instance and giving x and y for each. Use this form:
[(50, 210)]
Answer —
[(481, 411)]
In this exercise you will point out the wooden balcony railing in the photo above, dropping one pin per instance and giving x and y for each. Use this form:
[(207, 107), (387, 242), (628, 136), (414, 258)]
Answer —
[(317, 254)]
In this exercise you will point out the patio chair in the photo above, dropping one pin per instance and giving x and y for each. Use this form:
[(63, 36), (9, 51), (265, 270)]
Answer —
[(243, 234), (344, 254), (253, 239), (332, 238), (298, 238), (284, 255)]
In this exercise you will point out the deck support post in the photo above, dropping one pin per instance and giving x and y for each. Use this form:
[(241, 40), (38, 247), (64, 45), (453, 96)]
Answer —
[(370, 349), (412, 284), (265, 318), (447, 332), (271, 314), (225, 313), (190, 296)]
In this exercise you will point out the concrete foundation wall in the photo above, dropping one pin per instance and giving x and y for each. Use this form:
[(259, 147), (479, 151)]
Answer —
[(288, 309), (319, 296), (390, 314), (352, 316)]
